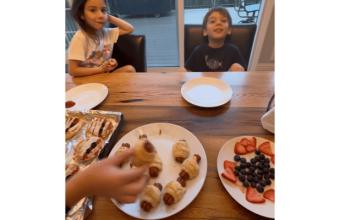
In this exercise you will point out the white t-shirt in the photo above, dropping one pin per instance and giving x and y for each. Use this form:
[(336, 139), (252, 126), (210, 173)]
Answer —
[(84, 49)]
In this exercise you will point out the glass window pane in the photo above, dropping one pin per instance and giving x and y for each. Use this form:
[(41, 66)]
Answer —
[(70, 25), (157, 20)]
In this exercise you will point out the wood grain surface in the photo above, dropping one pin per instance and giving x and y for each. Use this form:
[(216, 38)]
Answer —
[(146, 98)]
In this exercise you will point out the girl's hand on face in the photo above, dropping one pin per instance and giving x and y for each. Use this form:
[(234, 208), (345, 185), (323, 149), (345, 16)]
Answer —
[(107, 179)]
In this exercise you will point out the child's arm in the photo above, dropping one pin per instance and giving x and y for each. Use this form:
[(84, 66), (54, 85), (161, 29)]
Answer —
[(75, 70), (124, 27)]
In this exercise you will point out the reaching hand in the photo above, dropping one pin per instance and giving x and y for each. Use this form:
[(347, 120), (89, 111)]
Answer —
[(107, 179)]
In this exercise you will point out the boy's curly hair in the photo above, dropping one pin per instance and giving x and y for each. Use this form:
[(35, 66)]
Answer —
[(222, 11)]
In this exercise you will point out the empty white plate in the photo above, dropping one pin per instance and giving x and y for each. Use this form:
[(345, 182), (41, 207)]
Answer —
[(206, 92), (86, 96)]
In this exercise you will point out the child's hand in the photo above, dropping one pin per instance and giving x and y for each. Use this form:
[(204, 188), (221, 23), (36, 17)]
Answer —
[(107, 179), (107, 67)]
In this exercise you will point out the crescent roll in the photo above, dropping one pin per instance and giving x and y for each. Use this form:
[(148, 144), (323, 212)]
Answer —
[(175, 191), (144, 153), (180, 151), (151, 196), (124, 147), (190, 167)]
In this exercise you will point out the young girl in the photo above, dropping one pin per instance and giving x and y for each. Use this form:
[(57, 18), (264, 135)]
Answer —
[(92, 45)]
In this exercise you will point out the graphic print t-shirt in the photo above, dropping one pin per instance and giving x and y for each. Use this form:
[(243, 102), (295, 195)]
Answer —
[(84, 49), (207, 59)]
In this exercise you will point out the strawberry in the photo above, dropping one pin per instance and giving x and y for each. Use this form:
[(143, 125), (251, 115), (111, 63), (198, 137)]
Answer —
[(269, 194), (272, 159), (229, 175), (266, 148), (252, 141), (250, 148), (240, 149), (253, 197), (244, 142), (230, 164), (241, 188)]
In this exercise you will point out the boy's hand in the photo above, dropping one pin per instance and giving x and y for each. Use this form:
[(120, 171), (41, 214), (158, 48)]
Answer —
[(107, 67)]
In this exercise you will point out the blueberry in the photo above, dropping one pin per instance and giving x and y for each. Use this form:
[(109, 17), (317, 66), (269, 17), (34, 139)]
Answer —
[(254, 166), (271, 170), (267, 160), (260, 189), (243, 165), (255, 179), (266, 165), (262, 183), (271, 175), (254, 174), (248, 164), (249, 172), (252, 169), (237, 173), (265, 170), (242, 178), (268, 182), (249, 178), (243, 172), (259, 177), (243, 160), (257, 152), (237, 158), (262, 156), (94, 144), (257, 158), (260, 172), (88, 150), (260, 166), (253, 161), (265, 176), (253, 184), (238, 168), (246, 184), (262, 161)]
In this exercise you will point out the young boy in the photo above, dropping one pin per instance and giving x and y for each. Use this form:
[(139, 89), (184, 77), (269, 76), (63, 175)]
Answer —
[(216, 56)]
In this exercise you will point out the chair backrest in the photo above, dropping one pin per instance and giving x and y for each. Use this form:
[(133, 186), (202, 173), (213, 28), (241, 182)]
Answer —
[(242, 35), (131, 50)]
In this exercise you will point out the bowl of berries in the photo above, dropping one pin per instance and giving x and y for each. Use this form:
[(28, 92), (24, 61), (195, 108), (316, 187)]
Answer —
[(246, 167)]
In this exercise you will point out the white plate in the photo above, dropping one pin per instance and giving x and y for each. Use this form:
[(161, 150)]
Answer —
[(265, 209), (206, 92), (163, 136), (86, 96)]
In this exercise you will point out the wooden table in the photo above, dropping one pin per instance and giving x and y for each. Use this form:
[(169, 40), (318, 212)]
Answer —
[(146, 98)]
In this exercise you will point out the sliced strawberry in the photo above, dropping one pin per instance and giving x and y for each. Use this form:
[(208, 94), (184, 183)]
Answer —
[(252, 141), (230, 164), (241, 188), (229, 175), (244, 142), (269, 194), (250, 148), (272, 159), (266, 148), (253, 197), (240, 149)]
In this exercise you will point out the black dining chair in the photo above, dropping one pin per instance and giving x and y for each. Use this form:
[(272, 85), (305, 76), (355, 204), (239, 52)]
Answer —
[(242, 35), (131, 50)]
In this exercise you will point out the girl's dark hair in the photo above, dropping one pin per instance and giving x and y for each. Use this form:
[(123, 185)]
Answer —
[(222, 11), (77, 11)]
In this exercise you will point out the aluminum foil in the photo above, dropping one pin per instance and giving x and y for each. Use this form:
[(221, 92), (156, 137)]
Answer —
[(85, 205)]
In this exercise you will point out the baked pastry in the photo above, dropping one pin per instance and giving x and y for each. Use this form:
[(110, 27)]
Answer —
[(99, 127), (73, 125), (151, 196), (124, 147), (155, 166), (71, 169), (112, 62), (190, 167), (144, 153), (87, 149), (173, 192), (180, 151)]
